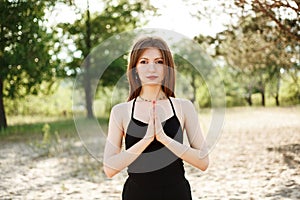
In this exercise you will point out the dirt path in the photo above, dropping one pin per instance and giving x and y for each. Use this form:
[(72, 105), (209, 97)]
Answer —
[(257, 157)]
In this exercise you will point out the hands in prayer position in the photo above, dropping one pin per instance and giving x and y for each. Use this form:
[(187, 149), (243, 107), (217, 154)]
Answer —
[(155, 129)]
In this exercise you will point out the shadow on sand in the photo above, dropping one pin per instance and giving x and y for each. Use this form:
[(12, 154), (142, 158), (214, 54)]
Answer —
[(291, 157)]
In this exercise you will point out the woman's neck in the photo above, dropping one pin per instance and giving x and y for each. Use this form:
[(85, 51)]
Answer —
[(151, 92)]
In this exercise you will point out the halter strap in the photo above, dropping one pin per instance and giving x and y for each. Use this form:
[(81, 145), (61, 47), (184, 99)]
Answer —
[(172, 106), (133, 106), (132, 109)]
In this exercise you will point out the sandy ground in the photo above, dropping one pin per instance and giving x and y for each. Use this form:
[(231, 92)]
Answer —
[(256, 157)]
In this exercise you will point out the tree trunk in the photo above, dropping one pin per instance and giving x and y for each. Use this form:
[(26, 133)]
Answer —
[(88, 89), (249, 99), (193, 84), (277, 99), (3, 122), (87, 77), (261, 89), (277, 92), (263, 99), (249, 95)]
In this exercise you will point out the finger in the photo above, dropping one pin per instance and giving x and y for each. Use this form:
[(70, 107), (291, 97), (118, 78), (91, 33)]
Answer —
[(158, 124), (154, 111), (151, 117), (153, 107), (151, 120), (152, 114)]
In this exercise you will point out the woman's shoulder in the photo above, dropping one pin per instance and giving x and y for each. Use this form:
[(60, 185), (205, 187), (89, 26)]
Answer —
[(121, 107), (185, 105), (182, 101)]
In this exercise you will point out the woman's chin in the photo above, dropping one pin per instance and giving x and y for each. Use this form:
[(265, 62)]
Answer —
[(151, 83)]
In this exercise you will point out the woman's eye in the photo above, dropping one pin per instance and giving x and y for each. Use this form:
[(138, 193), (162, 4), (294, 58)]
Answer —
[(143, 62), (160, 62)]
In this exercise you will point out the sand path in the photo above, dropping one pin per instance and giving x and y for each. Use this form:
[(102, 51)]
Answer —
[(257, 157)]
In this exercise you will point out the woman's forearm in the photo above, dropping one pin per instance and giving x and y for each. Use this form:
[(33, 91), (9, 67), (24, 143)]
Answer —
[(115, 163), (196, 157)]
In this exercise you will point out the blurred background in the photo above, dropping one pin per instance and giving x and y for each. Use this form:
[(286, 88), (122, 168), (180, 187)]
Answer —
[(254, 45)]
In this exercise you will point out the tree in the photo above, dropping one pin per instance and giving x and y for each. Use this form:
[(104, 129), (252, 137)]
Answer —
[(191, 73), (285, 14), (261, 39), (257, 50), (194, 62), (25, 50), (117, 16), (258, 53)]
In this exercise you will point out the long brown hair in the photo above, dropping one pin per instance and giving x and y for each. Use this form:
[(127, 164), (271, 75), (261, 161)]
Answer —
[(168, 83)]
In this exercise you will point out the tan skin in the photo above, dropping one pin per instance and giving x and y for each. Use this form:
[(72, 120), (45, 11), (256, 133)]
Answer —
[(150, 71)]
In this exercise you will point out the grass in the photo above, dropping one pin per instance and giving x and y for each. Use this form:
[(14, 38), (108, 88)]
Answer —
[(26, 128)]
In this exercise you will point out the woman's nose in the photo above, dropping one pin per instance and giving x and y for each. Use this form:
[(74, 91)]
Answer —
[(152, 66)]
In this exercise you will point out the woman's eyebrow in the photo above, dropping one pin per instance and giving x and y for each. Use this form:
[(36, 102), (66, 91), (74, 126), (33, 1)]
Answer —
[(148, 58)]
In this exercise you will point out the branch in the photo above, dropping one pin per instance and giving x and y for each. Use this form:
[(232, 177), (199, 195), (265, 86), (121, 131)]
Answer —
[(281, 26), (297, 10)]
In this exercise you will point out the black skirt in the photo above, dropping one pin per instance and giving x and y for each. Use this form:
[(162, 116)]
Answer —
[(179, 190)]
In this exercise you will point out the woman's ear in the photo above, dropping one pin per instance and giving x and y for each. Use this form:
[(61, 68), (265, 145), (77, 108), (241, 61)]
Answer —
[(136, 74)]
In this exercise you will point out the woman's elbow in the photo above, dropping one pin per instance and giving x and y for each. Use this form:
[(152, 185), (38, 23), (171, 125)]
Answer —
[(109, 172), (204, 164)]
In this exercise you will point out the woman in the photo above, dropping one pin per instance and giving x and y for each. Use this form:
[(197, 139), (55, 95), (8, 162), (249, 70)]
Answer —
[(152, 124)]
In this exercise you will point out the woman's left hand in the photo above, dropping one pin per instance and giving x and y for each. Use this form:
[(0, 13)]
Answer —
[(160, 135)]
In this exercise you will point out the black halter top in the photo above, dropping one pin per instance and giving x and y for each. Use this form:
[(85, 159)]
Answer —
[(157, 165)]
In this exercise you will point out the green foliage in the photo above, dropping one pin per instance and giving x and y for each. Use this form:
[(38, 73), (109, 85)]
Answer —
[(233, 101), (25, 50), (109, 96), (196, 73), (114, 72), (58, 103), (117, 16), (89, 31), (49, 145), (203, 96), (290, 92), (27, 129), (255, 53)]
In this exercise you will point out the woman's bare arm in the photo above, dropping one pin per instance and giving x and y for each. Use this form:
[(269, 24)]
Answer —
[(114, 159)]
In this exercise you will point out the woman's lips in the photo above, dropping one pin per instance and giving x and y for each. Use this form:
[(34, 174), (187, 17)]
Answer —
[(152, 77)]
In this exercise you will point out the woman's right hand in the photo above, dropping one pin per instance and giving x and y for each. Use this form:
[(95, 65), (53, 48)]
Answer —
[(150, 134)]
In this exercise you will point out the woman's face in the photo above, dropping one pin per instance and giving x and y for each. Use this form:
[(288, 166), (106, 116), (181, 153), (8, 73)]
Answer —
[(150, 67)]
